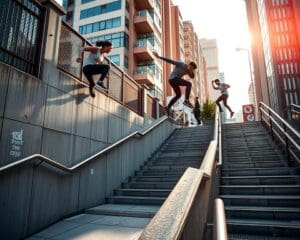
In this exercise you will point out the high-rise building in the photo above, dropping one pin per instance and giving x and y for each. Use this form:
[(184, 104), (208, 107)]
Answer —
[(135, 29), (210, 53), (193, 52), (275, 51)]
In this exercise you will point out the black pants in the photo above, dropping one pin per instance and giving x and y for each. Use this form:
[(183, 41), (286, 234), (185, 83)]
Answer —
[(223, 98), (93, 69), (197, 116), (175, 84)]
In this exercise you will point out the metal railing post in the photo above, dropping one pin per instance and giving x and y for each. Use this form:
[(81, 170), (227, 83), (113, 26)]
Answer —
[(286, 143), (271, 123)]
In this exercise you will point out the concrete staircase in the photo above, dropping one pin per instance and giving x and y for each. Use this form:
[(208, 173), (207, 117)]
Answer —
[(132, 206), (261, 192)]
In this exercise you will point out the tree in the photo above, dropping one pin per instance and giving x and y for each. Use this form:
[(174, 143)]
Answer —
[(208, 111)]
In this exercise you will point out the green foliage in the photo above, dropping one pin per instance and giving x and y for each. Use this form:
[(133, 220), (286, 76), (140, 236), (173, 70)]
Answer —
[(208, 110)]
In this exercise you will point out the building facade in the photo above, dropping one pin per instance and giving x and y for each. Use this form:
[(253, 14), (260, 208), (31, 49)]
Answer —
[(210, 53), (133, 27), (276, 51), (193, 52)]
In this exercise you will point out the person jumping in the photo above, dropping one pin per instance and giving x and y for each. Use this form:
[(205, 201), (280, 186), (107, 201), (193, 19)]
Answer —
[(224, 94), (93, 63), (175, 79)]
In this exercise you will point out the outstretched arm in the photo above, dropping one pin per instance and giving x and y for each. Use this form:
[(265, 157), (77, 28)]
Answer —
[(227, 85), (167, 59)]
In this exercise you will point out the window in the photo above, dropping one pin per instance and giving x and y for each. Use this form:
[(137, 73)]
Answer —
[(119, 39), (126, 62), (127, 22), (115, 59), (105, 8), (98, 26), (127, 5), (116, 22), (86, 1)]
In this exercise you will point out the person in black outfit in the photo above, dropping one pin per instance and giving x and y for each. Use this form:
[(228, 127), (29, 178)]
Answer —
[(94, 63), (196, 111), (175, 79)]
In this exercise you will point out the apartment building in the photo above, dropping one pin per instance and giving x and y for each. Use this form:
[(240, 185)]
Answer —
[(275, 51), (135, 29), (210, 53)]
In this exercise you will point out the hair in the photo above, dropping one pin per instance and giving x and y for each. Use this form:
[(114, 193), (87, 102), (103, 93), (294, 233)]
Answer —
[(193, 64), (105, 43), (217, 79)]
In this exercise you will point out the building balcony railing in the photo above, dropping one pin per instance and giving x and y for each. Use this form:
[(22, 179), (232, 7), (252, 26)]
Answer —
[(144, 4), (144, 75), (143, 22), (143, 49)]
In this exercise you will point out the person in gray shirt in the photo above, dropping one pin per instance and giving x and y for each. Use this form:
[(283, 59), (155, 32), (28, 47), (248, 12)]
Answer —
[(175, 79), (224, 94), (94, 63)]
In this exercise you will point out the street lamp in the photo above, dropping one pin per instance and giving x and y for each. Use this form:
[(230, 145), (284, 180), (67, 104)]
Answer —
[(251, 76)]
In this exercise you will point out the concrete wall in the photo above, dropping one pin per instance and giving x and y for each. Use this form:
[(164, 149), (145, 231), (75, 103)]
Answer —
[(58, 118), (54, 115), (32, 197)]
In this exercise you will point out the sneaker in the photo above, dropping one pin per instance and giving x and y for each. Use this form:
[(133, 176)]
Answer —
[(188, 103), (92, 91), (231, 114), (101, 85)]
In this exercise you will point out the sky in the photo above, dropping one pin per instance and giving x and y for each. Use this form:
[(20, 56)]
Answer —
[(226, 21)]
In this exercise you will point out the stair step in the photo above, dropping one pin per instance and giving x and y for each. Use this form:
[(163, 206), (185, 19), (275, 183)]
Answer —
[(278, 179), (135, 200), (142, 192), (255, 212), (164, 168), (149, 185), (260, 189), (259, 171), (262, 200), (256, 165), (236, 236), (173, 173), (264, 227), (154, 179), (125, 210)]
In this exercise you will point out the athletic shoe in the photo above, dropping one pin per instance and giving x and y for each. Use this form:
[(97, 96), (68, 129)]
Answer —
[(92, 91), (101, 85), (188, 103), (231, 114)]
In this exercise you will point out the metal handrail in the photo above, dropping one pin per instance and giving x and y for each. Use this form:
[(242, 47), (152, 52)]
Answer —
[(294, 108), (270, 114), (281, 119), (220, 227), (44, 159)]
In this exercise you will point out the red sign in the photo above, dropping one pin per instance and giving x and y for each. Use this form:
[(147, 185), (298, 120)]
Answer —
[(248, 113)]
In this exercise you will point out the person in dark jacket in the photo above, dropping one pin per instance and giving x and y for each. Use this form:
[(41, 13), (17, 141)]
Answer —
[(175, 79), (196, 111)]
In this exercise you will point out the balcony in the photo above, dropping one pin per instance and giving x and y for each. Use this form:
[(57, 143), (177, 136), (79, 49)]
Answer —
[(143, 50), (143, 22), (144, 75), (144, 4)]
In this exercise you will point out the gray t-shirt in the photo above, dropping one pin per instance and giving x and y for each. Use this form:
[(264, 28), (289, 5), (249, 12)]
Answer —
[(180, 68), (93, 58), (223, 89)]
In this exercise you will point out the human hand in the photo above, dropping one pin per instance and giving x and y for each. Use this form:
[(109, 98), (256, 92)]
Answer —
[(155, 54)]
